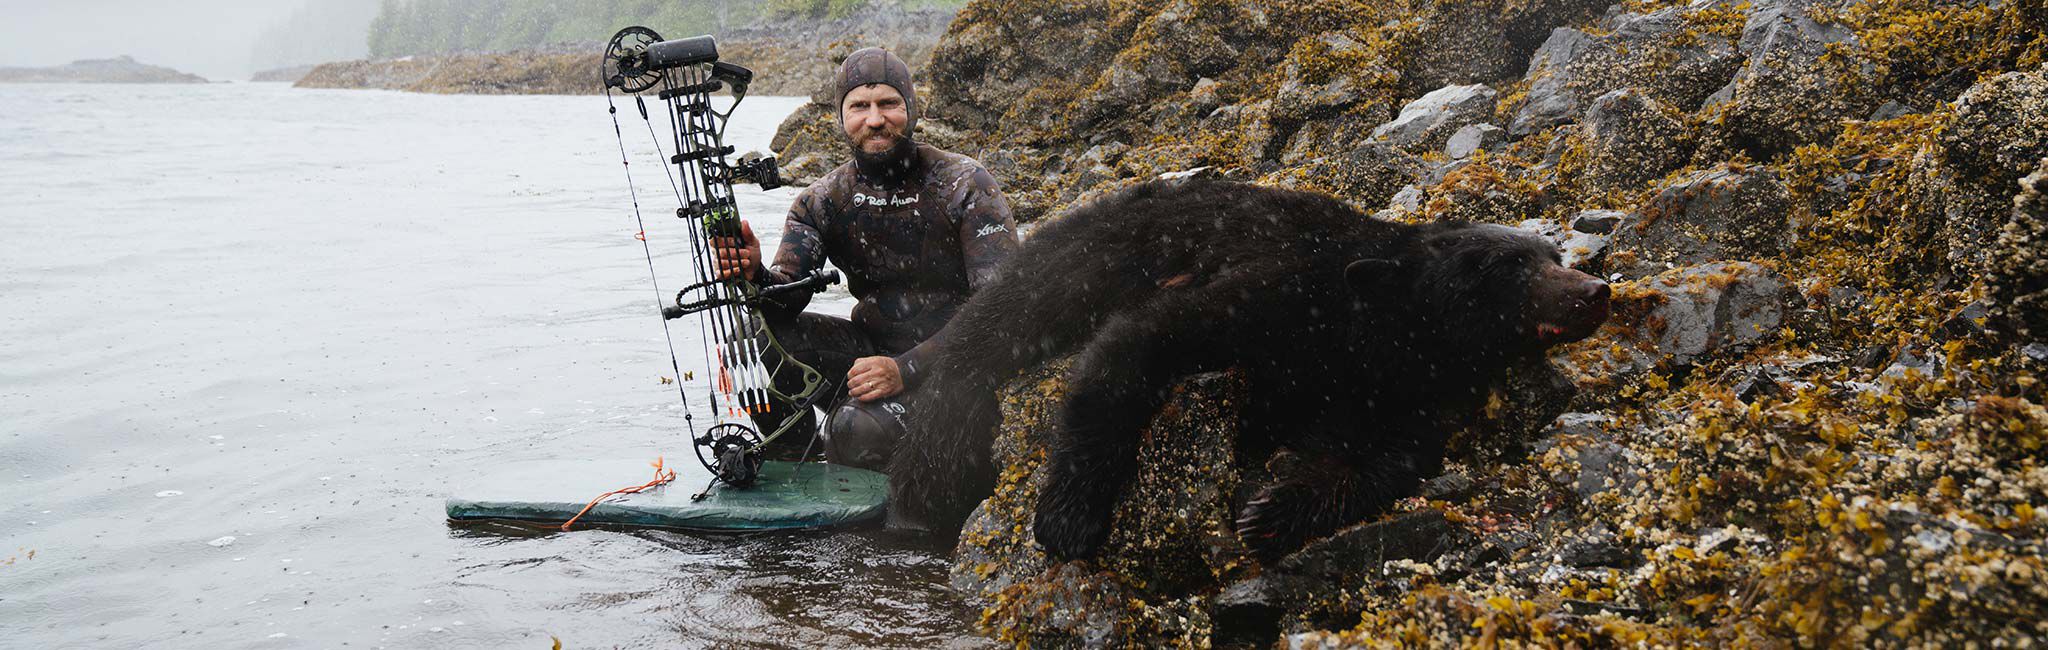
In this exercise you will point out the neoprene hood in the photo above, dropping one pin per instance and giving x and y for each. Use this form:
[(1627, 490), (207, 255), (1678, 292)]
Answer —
[(874, 65)]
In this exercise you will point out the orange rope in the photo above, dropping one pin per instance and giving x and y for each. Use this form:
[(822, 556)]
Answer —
[(661, 477)]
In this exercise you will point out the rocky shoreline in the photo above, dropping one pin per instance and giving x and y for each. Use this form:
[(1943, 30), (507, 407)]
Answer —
[(787, 59), (1815, 418), (120, 69)]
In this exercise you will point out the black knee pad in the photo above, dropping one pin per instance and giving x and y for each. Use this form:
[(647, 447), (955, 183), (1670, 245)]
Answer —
[(863, 434)]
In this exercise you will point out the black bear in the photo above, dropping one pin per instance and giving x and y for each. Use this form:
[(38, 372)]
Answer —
[(1357, 335)]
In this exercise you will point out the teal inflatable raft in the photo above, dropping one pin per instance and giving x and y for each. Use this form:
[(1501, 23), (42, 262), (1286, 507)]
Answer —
[(786, 496)]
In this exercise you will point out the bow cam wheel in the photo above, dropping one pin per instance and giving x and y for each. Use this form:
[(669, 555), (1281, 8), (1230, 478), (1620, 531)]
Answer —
[(625, 60), (732, 452)]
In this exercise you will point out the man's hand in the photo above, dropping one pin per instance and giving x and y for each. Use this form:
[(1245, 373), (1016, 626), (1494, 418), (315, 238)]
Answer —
[(874, 378), (739, 255)]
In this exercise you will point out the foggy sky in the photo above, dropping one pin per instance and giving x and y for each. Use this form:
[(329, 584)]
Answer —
[(210, 38)]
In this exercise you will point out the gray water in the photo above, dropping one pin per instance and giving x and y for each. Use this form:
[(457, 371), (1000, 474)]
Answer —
[(297, 317)]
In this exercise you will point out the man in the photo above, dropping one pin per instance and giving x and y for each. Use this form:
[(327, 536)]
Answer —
[(915, 229)]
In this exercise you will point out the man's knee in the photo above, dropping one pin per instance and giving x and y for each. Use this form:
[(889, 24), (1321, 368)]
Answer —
[(864, 434)]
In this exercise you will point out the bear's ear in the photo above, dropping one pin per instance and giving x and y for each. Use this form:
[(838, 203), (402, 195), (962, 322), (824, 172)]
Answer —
[(1371, 275)]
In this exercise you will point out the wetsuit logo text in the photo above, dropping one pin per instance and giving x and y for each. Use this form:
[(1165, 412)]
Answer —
[(863, 199)]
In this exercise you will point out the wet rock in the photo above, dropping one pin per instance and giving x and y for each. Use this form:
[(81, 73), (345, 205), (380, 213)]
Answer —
[(1202, 98), (1598, 548), (1632, 139), (1449, 487), (1605, 467), (1597, 222), (1484, 42), (1892, 110), (1716, 214), (1171, 546), (1969, 322), (1308, 92), (1753, 382), (1789, 92), (1408, 199), (1353, 554), (1426, 123), (1718, 309), (2018, 279), (1550, 101), (2000, 128), (1249, 612), (1437, 174), (1474, 139), (1366, 176), (1579, 424), (1678, 55), (1581, 250), (980, 69), (815, 122)]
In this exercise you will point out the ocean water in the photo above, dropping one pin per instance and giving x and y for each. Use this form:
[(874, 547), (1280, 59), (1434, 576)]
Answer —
[(251, 335)]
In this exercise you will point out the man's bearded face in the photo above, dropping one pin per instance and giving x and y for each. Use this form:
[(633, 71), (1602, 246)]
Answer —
[(873, 117)]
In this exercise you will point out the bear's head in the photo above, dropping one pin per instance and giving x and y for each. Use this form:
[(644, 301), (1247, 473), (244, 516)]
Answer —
[(1485, 289)]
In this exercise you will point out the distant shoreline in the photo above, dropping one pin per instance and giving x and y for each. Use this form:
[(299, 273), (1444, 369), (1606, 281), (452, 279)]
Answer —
[(120, 69), (788, 59)]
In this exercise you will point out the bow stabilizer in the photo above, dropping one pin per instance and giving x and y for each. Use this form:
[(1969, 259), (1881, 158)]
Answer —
[(741, 355)]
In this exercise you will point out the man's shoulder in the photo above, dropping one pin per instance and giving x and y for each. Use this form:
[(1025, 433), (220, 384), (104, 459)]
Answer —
[(948, 165), (832, 183), (842, 176)]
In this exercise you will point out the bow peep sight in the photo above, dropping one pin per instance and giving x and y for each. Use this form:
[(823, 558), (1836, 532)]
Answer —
[(741, 356)]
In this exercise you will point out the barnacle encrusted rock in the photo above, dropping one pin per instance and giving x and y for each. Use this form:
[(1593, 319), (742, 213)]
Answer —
[(1728, 212), (2019, 268), (1632, 139), (1679, 55), (1428, 122), (1172, 543), (1789, 91), (2000, 129)]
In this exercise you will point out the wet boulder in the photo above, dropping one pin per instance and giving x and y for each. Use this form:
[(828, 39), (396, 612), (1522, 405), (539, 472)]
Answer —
[(1581, 250), (1309, 89), (1473, 139), (1428, 122), (2019, 265), (1681, 318), (2000, 128), (1367, 176), (1727, 212), (1172, 544), (1597, 222), (1475, 42), (809, 143), (1720, 308), (1550, 101), (981, 69), (1789, 92), (1632, 139), (1678, 55)]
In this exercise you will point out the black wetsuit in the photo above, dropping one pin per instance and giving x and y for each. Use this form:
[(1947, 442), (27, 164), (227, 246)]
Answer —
[(912, 252)]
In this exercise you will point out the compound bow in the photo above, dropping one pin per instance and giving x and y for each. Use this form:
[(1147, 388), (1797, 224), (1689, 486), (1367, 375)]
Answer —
[(741, 355)]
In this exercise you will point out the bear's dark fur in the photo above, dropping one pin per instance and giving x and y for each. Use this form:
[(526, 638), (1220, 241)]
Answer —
[(1357, 335)]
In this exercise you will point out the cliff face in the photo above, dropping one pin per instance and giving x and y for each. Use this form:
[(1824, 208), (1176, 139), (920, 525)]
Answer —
[(1815, 417), (120, 69), (787, 59)]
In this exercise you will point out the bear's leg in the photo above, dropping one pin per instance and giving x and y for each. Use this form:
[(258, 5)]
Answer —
[(1120, 380), (1322, 493)]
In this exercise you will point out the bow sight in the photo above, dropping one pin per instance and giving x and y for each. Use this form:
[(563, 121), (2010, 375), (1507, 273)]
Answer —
[(742, 357)]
